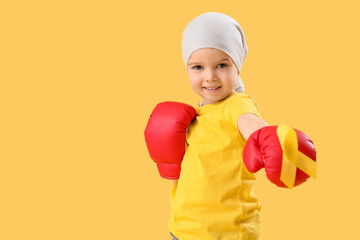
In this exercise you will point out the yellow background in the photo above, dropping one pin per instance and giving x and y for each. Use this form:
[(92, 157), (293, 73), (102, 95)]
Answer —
[(79, 80)]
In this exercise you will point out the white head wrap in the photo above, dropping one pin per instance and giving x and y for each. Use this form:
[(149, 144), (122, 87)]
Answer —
[(216, 30)]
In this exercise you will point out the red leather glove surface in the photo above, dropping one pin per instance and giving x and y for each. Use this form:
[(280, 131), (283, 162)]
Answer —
[(263, 149), (165, 136)]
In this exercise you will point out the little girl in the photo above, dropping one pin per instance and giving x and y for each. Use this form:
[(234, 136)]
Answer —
[(213, 198)]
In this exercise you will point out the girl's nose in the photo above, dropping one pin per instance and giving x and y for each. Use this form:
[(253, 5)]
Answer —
[(210, 75)]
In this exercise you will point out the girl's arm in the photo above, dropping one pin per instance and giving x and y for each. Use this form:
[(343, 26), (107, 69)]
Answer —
[(249, 123)]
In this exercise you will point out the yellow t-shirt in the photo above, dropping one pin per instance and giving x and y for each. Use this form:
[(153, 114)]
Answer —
[(213, 198)]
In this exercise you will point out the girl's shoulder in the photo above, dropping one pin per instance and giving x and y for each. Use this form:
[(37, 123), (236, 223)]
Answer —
[(240, 96)]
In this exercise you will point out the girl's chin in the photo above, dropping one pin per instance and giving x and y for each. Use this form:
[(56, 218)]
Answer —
[(210, 101), (214, 99)]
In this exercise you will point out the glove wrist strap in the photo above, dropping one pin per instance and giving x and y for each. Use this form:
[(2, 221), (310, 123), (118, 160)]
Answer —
[(169, 170)]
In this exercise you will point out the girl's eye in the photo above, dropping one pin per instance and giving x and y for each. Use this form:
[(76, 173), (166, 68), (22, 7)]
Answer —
[(198, 67)]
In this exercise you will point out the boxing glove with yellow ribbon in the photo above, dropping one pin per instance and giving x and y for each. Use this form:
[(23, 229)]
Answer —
[(288, 155)]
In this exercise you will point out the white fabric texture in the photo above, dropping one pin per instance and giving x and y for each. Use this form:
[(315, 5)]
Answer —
[(216, 30)]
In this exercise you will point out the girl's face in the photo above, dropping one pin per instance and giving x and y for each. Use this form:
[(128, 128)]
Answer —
[(212, 73)]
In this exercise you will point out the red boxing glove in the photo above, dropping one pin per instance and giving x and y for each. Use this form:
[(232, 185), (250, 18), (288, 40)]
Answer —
[(288, 155), (165, 136)]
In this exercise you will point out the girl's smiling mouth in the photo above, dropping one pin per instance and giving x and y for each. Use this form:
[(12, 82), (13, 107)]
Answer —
[(212, 88)]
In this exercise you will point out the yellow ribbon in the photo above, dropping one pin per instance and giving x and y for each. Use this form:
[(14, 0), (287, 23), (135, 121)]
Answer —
[(292, 157)]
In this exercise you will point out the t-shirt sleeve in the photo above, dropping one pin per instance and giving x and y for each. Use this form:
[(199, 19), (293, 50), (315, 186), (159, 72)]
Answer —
[(240, 105)]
